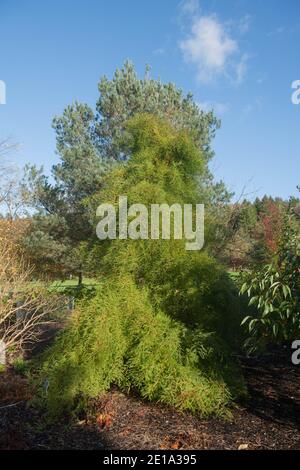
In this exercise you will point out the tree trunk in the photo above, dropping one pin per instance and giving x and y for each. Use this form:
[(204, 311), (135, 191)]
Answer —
[(80, 276)]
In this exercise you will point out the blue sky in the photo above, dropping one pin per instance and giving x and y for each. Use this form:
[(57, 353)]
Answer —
[(238, 56)]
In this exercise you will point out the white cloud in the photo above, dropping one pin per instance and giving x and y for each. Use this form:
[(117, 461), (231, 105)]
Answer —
[(211, 47), (218, 107), (189, 7)]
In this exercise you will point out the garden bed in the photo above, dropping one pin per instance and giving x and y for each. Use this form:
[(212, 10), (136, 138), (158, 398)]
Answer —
[(268, 419)]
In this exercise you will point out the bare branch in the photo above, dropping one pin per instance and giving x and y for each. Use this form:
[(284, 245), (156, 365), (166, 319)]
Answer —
[(24, 307)]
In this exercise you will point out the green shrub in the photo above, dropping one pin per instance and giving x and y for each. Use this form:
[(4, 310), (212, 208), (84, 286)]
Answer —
[(165, 320), (121, 340)]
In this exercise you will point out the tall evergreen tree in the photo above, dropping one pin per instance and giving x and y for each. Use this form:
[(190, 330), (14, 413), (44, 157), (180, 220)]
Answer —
[(90, 143)]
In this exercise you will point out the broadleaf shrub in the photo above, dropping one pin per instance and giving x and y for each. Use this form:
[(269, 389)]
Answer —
[(274, 296)]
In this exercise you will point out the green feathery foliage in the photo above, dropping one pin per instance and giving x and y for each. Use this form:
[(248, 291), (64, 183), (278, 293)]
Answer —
[(164, 320)]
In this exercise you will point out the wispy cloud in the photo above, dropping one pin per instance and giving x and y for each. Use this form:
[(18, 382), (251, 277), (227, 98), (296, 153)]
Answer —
[(159, 51), (278, 30), (261, 79), (189, 6), (244, 24), (251, 107), (211, 48), (219, 108), (241, 68)]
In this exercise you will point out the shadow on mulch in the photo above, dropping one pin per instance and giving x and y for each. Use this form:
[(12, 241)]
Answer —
[(269, 419), (274, 389), (21, 429)]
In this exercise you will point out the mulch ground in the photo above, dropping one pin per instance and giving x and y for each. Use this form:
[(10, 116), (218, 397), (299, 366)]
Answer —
[(268, 419)]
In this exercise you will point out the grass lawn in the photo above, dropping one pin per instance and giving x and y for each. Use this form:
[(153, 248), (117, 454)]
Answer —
[(87, 281), (69, 283)]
